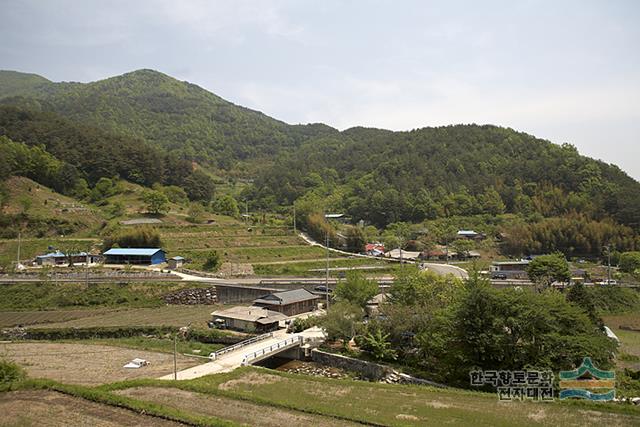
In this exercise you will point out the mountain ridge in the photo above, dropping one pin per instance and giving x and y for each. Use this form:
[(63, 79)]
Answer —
[(375, 174)]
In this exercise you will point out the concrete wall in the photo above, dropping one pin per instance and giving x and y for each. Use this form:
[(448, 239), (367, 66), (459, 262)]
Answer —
[(236, 293), (369, 370)]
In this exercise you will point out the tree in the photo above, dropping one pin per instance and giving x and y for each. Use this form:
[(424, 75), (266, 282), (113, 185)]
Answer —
[(175, 194), (629, 262), (196, 212), (356, 289), (579, 296), (546, 269), (199, 186), (104, 188), (140, 237), (156, 203), (491, 202), (355, 239), (342, 321), (226, 205), (463, 246), (377, 343), (212, 262)]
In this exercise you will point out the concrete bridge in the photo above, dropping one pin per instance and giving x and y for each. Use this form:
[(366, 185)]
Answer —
[(252, 351)]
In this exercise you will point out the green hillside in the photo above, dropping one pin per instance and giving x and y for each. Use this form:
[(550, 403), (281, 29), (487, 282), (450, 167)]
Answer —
[(172, 114), (149, 128), (14, 83), (385, 177)]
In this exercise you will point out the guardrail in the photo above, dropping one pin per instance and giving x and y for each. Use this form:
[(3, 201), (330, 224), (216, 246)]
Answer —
[(273, 347), (216, 354)]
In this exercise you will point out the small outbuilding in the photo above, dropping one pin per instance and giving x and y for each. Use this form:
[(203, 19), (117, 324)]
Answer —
[(290, 303), (142, 256), (59, 258), (248, 319), (175, 262)]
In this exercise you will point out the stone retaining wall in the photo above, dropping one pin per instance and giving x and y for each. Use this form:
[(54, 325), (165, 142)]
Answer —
[(192, 296), (369, 370)]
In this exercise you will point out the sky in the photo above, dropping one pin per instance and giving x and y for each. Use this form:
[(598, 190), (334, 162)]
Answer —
[(566, 71)]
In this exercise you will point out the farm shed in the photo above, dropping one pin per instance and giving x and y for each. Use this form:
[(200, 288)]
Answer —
[(176, 262), (144, 256), (59, 258)]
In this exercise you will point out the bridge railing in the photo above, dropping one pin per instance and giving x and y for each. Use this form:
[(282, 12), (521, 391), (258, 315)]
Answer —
[(273, 347), (234, 347)]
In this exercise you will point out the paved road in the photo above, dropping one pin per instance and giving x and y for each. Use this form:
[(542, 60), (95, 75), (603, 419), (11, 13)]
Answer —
[(444, 269), (227, 362), (232, 360)]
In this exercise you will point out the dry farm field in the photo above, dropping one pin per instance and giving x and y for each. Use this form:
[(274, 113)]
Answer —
[(88, 364), (50, 408), (169, 315)]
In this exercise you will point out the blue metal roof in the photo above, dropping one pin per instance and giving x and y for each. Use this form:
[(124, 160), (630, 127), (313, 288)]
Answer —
[(58, 254), (133, 251)]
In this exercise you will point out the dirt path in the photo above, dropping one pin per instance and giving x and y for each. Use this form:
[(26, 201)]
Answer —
[(88, 364), (234, 410), (49, 408)]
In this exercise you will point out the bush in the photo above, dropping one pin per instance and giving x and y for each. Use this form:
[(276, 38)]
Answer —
[(629, 262), (213, 261), (141, 237), (10, 372)]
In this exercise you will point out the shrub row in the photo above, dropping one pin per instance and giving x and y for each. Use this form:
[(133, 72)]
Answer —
[(53, 334)]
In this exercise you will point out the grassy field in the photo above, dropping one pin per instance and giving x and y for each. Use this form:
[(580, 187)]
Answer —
[(380, 404), (257, 396), (30, 247), (25, 318), (90, 364), (47, 408), (629, 354), (171, 315), (305, 268), (51, 296), (162, 345)]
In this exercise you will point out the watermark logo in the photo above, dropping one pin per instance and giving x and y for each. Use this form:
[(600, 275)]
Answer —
[(516, 385), (580, 382)]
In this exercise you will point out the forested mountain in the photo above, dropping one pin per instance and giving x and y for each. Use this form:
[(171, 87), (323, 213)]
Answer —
[(385, 177), (172, 114), (146, 127), (62, 153)]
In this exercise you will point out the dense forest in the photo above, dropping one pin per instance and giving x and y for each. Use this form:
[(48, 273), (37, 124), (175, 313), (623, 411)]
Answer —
[(149, 128), (385, 177), (89, 153), (169, 113)]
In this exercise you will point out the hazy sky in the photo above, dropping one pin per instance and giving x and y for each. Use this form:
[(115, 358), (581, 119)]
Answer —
[(567, 71)]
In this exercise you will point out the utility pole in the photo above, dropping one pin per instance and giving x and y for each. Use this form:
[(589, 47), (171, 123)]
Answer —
[(608, 247), (327, 270), (19, 242), (294, 219), (175, 361), (246, 211)]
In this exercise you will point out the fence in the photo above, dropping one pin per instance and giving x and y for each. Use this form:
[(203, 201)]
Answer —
[(216, 354), (289, 342)]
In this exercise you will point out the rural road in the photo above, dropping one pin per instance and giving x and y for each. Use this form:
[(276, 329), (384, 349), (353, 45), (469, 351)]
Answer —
[(444, 269), (232, 360)]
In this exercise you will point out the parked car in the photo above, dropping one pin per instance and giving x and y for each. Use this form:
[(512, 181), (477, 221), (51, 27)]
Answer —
[(501, 276), (322, 288)]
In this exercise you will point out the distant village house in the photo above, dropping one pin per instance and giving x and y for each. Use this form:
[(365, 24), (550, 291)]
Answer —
[(139, 256)]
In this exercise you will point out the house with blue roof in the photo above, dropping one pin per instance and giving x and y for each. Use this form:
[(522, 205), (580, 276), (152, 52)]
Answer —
[(144, 256), (60, 258)]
